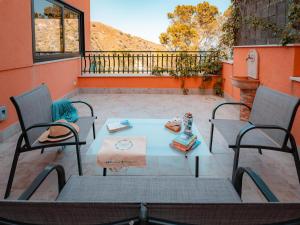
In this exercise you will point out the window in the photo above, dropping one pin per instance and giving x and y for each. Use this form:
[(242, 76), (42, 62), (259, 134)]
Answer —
[(58, 30)]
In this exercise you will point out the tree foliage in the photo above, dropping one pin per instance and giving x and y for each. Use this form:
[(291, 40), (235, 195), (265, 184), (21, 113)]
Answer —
[(191, 26), (230, 28), (180, 37)]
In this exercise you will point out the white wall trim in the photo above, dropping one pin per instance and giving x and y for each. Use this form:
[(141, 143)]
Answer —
[(294, 78), (178, 91), (129, 75), (266, 46), (228, 61)]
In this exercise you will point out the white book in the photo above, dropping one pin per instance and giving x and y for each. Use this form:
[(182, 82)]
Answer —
[(116, 126)]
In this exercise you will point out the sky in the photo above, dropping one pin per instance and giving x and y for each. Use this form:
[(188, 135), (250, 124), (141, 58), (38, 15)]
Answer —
[(143, 18)]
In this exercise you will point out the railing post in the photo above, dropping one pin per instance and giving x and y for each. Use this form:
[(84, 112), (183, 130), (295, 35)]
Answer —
[(118, 63), (128, 63), (152, 62), (123, 62), (108, 55), (89, 63), (94, 64), (100, 63), (142, 63), (133, 63)]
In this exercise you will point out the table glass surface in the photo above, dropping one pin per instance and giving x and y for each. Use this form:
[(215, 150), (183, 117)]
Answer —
[(160, 156)]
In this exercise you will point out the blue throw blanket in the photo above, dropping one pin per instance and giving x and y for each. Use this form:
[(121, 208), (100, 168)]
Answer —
[(63, 109)]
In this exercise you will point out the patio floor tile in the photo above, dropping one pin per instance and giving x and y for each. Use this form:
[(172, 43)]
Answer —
[(277, 169)]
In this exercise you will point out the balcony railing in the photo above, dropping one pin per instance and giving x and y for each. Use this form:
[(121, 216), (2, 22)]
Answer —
[(147, 62)]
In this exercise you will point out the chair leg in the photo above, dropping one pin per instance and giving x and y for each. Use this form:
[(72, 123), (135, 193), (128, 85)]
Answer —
[(197, 166), (296, 157), (79, 160), (94, 131), (11, 174), (297, 163), (42, 150), (13, 167), (211, 137), (235, 161), (260, 151)]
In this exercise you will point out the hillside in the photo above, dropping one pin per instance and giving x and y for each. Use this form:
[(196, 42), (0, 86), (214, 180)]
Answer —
[(104, 37)]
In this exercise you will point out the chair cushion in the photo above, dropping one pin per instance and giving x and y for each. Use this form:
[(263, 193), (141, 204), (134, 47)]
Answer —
[(231, 128), (162, 189), (85, 125)]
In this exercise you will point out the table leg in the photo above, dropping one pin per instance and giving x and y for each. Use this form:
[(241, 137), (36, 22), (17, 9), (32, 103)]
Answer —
[(104, 172), (197, 166)]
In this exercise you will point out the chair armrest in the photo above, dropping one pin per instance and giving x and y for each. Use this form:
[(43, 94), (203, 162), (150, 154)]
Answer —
[(72, 129), (250, 127), (41, 177), (227, 103), (85, 103), (261, 185)]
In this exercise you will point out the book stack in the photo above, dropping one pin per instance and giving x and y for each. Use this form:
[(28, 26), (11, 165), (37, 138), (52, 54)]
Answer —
[(117, 126), (185, 142)]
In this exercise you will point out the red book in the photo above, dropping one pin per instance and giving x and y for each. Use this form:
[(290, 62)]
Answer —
[(182, 147), (185, 146)]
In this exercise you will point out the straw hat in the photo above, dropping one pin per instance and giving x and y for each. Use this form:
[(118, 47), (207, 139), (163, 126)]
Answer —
[(58, 133)]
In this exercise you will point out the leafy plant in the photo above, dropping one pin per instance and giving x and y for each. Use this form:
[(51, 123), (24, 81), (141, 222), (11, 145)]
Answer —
[(158, 71), (206, 79), (287, 34), (187, 67), (291, 33), (230, 28), (218, 87)]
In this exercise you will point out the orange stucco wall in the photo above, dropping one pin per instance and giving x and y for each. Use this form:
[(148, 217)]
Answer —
[(139, 82), (276, 65), (297, 62), (18, 73), (229, 90)]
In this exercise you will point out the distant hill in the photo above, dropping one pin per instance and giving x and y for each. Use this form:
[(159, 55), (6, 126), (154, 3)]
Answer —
[(106, 38)]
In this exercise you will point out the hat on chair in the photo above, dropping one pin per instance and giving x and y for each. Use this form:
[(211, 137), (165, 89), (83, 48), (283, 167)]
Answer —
[(58, 133)]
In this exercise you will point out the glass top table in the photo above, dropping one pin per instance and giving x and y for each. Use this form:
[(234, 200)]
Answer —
[(161, 158)]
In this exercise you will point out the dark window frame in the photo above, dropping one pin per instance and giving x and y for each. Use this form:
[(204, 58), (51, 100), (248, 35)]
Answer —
[(63, 55)]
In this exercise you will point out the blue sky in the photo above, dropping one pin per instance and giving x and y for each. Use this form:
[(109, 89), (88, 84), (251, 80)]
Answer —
[(143, 18)]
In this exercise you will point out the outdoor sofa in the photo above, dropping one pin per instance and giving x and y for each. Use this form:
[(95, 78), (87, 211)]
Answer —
[(35, 116), (148, 200)]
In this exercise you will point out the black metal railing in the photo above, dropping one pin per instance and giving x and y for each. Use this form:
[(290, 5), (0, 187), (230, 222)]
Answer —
[(145, 62)]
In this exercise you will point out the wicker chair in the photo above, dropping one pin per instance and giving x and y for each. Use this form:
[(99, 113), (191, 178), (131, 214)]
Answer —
[(269, 126), (147, 200), (34, 112)]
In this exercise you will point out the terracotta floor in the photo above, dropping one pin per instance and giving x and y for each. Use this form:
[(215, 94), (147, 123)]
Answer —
[(277, 169)]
